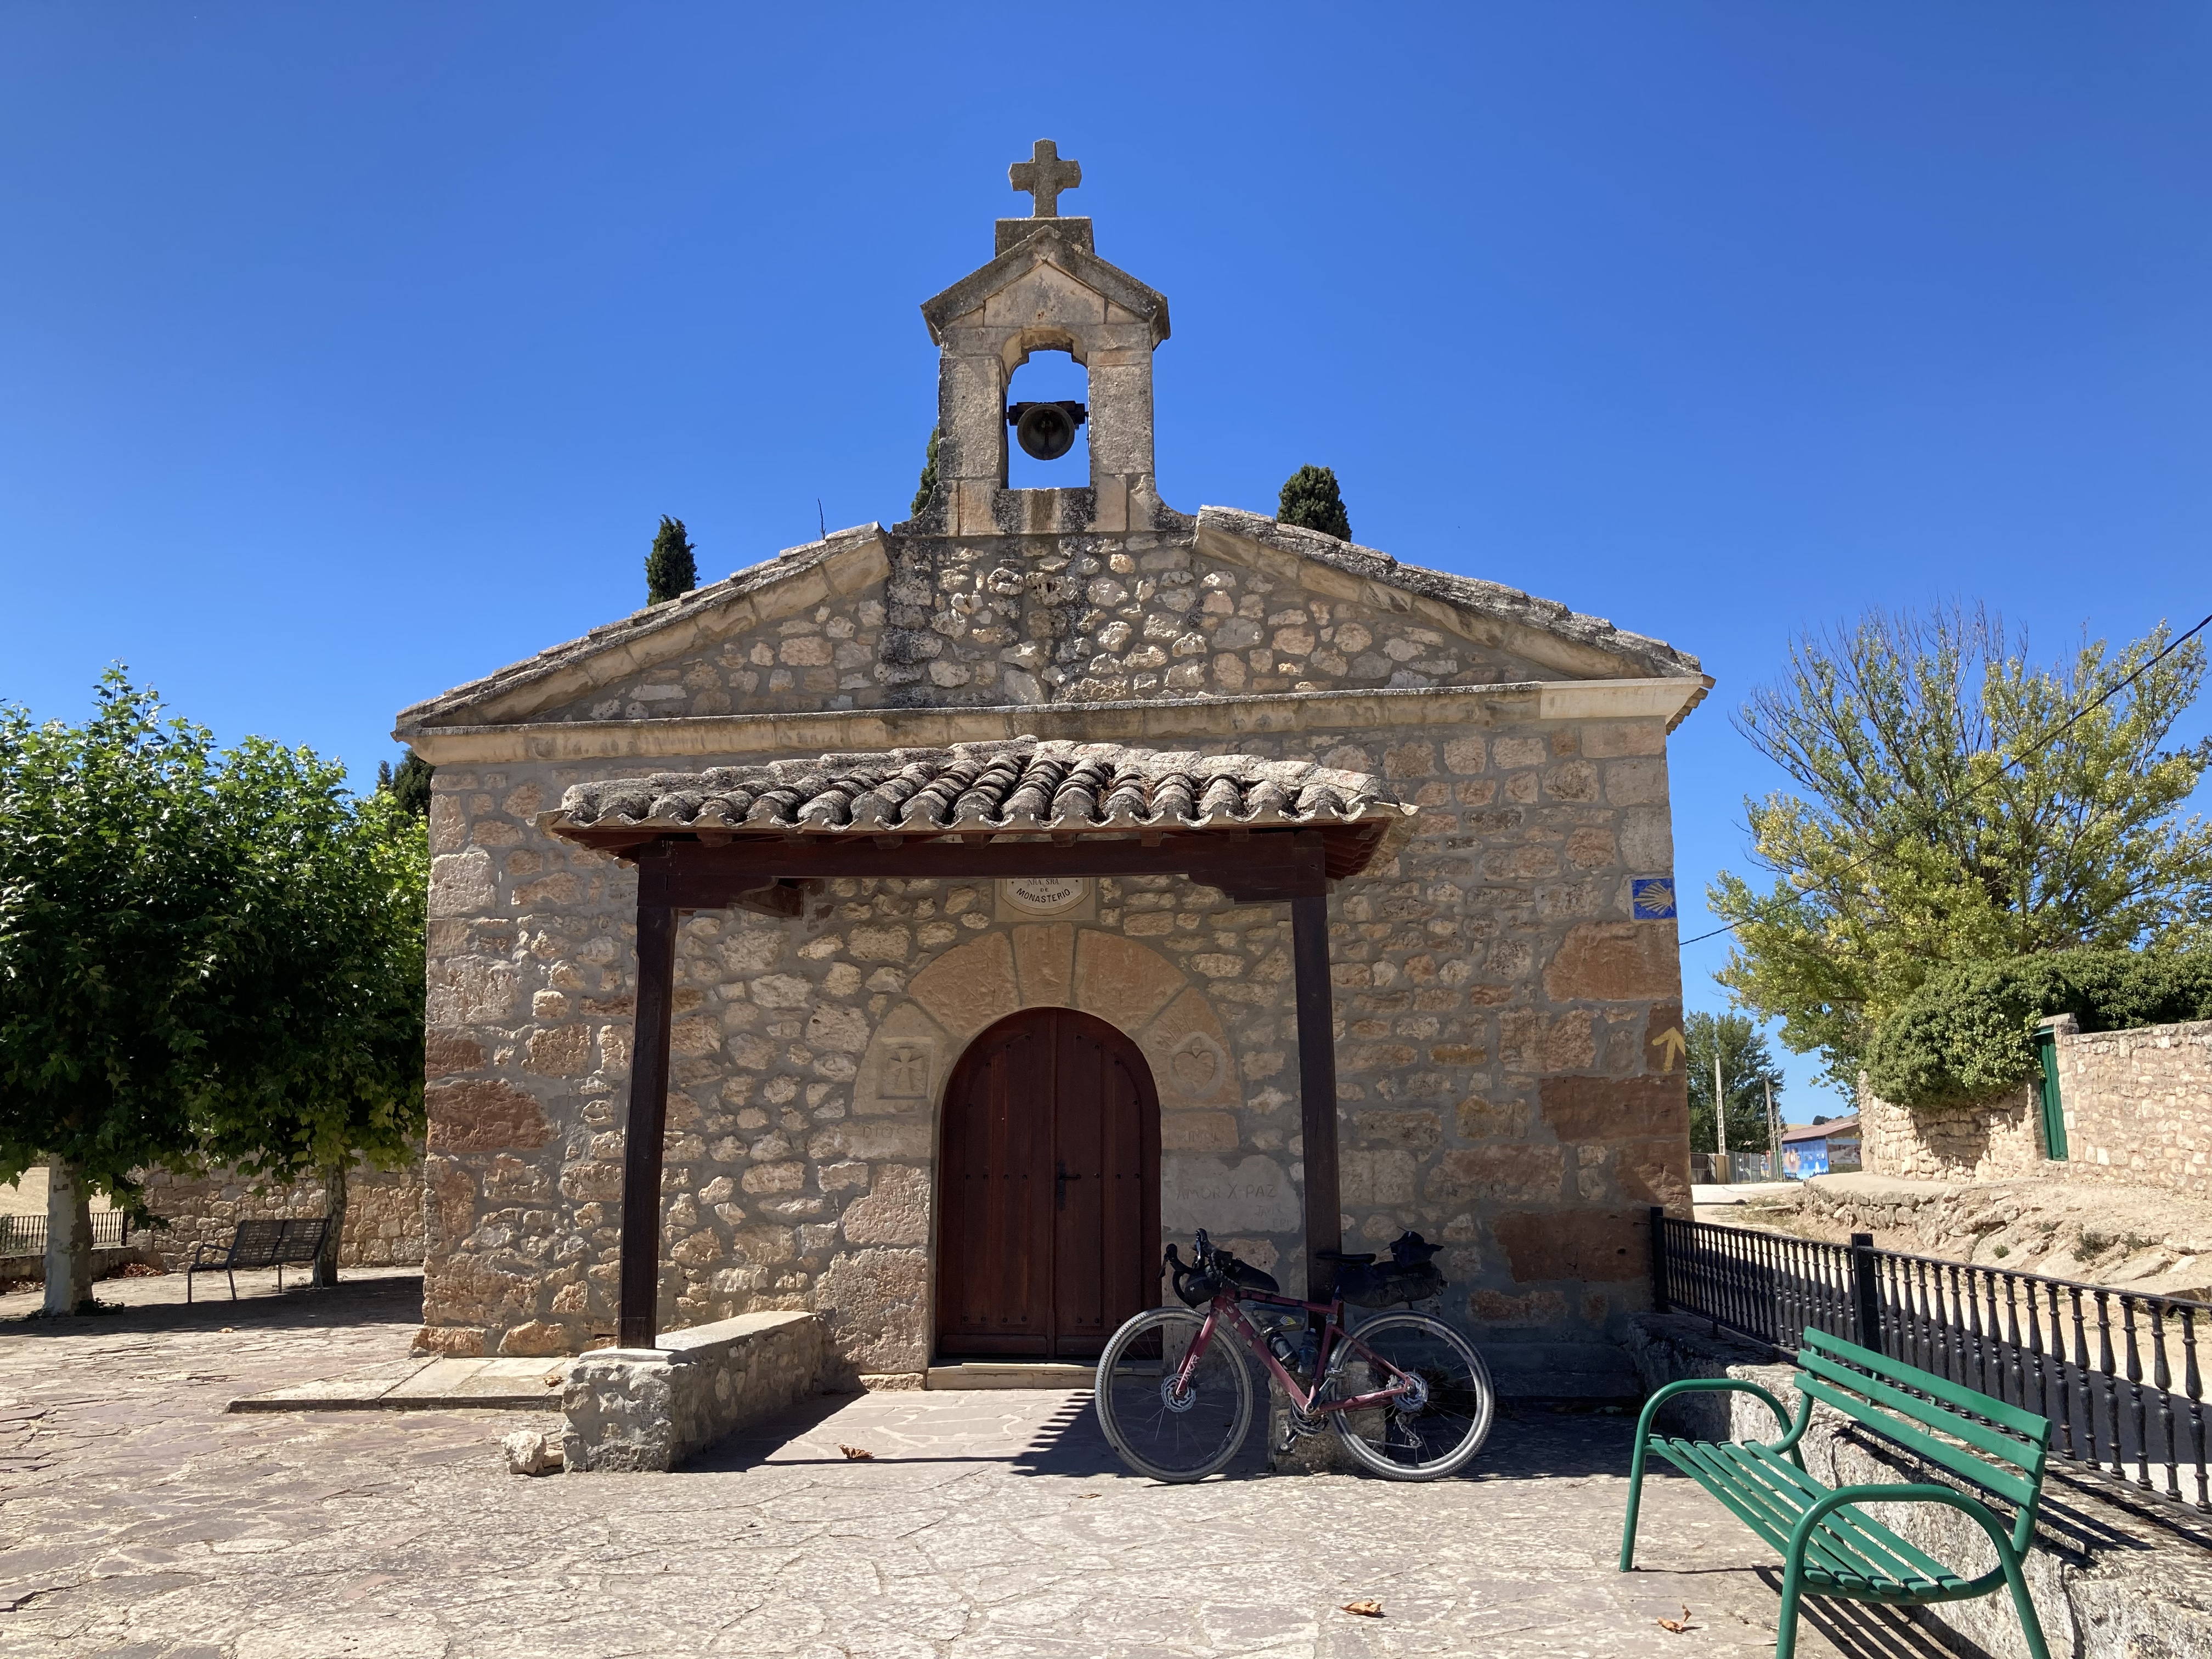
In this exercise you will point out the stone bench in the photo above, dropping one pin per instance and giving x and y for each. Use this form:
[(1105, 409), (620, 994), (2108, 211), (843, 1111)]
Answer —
[(631, 1409)]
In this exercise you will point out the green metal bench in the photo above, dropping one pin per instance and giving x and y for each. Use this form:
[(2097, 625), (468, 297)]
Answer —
[(1828, 1545)]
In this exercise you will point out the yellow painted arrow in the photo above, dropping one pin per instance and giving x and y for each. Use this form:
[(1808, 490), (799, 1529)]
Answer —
[(1673, 1046)]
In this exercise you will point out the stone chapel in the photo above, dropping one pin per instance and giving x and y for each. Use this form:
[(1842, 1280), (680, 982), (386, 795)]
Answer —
[(925, 926)]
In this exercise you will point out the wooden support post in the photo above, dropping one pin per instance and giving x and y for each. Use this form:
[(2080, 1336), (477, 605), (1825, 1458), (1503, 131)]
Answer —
[(648, 1122), (1317, 1089)]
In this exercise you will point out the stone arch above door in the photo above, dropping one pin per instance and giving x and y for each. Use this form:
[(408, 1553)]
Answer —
[(1130, 986)]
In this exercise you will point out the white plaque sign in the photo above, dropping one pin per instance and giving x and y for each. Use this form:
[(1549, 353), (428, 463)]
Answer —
[(1045, 896)]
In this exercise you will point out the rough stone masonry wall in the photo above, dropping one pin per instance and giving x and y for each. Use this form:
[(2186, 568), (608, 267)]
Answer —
[(1019, 620), (2138, 1106), (1998, 1139), (1498, 1010), (383, 1224)]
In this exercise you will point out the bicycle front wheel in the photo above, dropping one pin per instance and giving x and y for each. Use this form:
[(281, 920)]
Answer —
[(1431, 1429), (1159, 1432)]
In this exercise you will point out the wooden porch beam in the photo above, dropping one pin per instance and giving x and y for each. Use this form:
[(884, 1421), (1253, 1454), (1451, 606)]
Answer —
[(1260, 868)]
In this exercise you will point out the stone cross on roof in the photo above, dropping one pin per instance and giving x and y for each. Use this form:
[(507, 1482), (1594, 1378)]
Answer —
[(1044, 176)]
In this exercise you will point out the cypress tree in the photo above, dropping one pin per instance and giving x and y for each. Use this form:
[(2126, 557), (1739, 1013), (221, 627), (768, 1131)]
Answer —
[(928, 485), (409, 785), (1311, 500), (670, 569)]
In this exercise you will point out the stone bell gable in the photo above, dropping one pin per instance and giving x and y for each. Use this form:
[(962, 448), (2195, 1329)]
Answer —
[(1046, 291), (1098, 593)]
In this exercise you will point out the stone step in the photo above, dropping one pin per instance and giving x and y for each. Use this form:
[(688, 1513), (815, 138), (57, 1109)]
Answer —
[(426, 1385), (1011, 1374)]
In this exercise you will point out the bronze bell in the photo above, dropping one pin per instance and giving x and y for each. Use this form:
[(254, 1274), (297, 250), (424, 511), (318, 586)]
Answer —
[(1046, 430)]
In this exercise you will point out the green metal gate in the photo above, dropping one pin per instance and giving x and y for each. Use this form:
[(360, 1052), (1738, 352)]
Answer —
[(2054, 1113)]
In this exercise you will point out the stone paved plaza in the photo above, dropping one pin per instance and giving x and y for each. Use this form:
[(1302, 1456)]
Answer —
[(136, 1518)]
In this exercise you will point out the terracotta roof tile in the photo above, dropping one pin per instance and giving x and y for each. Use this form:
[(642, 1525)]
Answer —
[(1023, 784)]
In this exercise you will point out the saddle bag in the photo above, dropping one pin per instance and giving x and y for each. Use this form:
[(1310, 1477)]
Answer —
[(1409, 1276)]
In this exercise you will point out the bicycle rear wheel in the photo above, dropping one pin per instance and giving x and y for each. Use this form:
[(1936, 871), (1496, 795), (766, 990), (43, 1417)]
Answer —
[(1157, 1431), (1430, 1432)]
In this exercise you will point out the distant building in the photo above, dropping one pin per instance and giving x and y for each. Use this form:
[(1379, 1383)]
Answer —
[(1829, 1148)]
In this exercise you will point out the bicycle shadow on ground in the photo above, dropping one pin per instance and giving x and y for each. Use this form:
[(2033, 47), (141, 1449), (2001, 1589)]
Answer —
[(1067, 1444), (1072, 1443)]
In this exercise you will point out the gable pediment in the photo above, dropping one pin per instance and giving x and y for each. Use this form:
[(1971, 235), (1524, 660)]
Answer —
[(1048, 266), (837, 569), (874, 619), (1552, 639)]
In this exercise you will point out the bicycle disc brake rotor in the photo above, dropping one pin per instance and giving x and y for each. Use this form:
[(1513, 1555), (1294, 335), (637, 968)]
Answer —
[(1168, 1394)]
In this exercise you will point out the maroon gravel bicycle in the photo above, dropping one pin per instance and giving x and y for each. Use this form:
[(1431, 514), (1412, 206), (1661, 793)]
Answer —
[(1409, 1395)]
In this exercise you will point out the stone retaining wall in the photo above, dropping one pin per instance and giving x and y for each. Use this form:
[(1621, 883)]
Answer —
[(105, 1260), (1999, 1139), (2138, 1107), (383, 1224), (636, 1409)]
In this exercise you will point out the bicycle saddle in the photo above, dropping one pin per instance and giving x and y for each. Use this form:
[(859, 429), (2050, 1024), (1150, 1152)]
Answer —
[(1348, 1260)]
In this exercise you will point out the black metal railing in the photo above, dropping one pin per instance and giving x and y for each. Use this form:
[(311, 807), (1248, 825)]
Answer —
[(25, 1235), (2121, 1376)]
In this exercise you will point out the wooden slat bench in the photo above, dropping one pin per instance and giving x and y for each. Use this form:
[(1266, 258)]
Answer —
[(276, 1244), (1828, 1545)]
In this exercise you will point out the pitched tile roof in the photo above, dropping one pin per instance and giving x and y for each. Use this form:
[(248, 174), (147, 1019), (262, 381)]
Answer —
[(1025, 784), (1834, 1126)]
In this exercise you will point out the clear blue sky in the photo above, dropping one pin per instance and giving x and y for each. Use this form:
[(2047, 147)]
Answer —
[(347, 353)]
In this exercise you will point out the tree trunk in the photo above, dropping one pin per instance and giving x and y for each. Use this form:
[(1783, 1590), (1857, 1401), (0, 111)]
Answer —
[(334, 1210), (69, 1238)]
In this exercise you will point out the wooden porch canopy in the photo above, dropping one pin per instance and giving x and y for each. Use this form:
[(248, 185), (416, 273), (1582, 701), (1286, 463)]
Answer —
[(1260, 830)]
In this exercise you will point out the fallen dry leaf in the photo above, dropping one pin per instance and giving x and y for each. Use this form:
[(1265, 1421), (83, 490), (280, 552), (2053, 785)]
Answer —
[(856, 1454), (1677, 1625), (1365, 1609), (555, 1379)]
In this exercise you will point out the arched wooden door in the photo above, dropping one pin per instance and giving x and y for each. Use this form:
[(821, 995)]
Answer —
[(1049, 1205)]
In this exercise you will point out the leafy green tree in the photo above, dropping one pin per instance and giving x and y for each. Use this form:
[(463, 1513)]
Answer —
[(1967, 1032), (409, 785), (672, 569), (1748, 1069), (314, 1059), (110, 912), (927, 487), (198, 950), (1311, 498), (1948, 807)]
